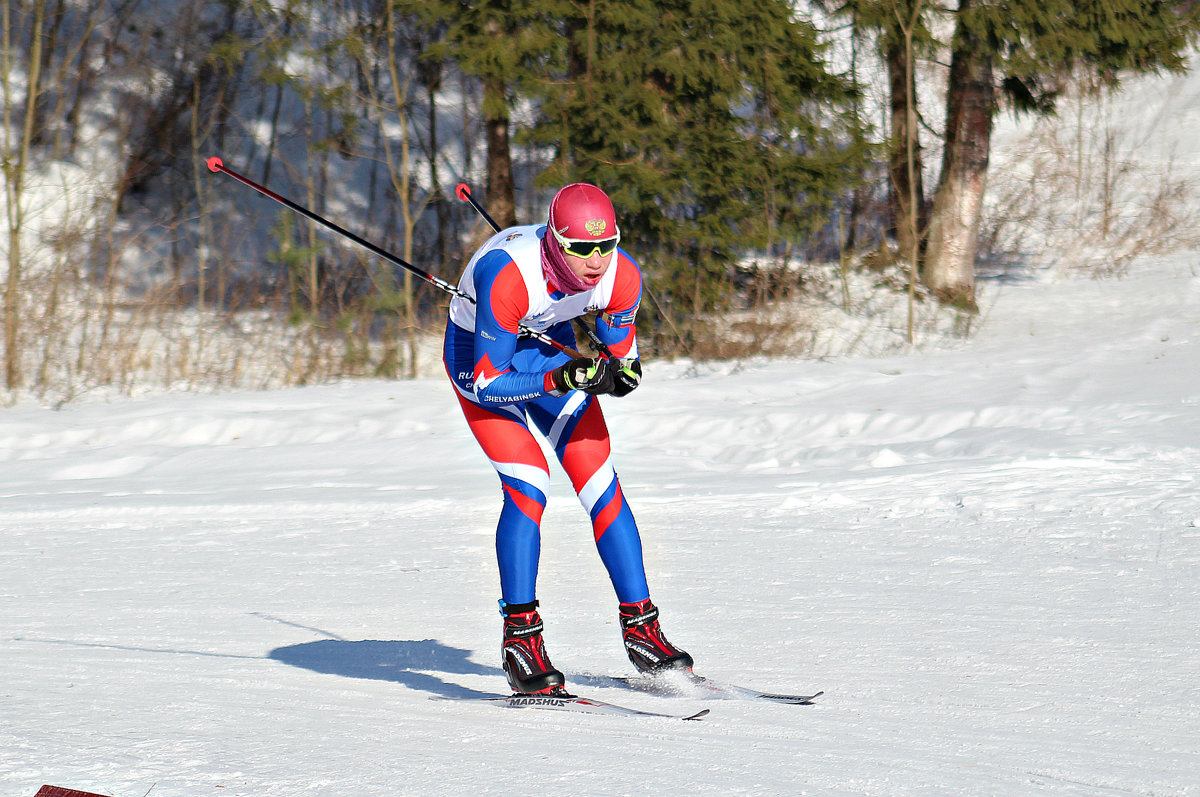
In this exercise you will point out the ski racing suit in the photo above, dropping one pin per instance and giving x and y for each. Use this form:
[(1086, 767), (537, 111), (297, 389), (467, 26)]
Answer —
[(501, 386)]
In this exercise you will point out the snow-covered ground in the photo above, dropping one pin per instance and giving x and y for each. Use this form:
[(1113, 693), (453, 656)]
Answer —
[(988, 558)]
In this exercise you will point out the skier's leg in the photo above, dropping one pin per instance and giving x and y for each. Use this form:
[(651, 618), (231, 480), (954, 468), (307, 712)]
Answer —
[(575, 427), (525, 482), (503, 434)]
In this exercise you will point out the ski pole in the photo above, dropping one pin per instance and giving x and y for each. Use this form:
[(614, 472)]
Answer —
[(463, 192), (216, 165)]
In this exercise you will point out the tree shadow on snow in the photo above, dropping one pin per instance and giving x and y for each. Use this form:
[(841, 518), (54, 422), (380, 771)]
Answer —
[(407, 662)]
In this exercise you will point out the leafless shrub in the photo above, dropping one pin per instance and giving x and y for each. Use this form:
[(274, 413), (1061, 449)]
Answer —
[(1086, 196)]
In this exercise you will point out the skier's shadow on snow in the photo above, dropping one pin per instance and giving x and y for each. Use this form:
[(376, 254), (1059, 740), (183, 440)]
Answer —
[(411, 663)]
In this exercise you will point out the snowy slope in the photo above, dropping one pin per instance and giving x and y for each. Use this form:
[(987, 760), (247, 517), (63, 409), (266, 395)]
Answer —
[(989, 559)]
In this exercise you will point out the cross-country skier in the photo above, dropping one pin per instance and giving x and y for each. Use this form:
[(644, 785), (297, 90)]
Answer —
[(542, 277)]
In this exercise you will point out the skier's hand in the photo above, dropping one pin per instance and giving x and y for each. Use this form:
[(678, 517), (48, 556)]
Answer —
[(589, 374), (627, 375)]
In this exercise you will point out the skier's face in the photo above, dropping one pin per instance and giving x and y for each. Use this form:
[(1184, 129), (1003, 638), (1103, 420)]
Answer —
[(591, 268)]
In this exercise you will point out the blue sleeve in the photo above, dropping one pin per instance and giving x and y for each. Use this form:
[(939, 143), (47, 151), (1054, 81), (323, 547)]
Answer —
[(616, 324), (502, 301)]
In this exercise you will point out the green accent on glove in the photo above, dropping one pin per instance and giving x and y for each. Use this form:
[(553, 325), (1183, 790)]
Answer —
[(627, 375), (591, 375)]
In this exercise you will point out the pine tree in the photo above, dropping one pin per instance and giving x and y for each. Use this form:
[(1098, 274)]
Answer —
[(505, 44), (715, 127), (1026, 51), (1022, 53)]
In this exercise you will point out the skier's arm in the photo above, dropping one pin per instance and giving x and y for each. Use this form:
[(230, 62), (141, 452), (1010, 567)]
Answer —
[(503, 302), (616, 325)]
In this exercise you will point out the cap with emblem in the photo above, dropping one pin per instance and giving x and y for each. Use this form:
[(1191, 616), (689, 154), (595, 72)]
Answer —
[(582, 219)]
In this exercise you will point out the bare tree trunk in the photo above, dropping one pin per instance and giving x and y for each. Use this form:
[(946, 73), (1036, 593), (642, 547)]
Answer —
[(958, 204), (914, 228), (903, 99), (501, 193), (42, 107), (432, 78), (467, 138), (16, 162), (402, 183), (848, 231)]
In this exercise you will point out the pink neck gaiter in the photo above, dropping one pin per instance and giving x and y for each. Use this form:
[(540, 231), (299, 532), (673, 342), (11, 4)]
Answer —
[(556, 270)]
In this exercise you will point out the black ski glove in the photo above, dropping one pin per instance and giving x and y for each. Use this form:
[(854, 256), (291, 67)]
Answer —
[(589, 374), (627, 375)]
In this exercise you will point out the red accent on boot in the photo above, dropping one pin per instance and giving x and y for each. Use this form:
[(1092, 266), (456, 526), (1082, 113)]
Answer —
[(526, 663), (645, 644)]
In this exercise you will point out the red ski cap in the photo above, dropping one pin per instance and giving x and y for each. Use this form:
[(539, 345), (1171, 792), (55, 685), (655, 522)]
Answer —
[(582, 212)]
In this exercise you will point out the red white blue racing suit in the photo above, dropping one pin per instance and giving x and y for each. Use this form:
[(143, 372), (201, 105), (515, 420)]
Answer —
[(500, 382)]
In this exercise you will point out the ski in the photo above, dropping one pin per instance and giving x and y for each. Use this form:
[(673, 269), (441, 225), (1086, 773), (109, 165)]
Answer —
[(582, 705), (689, 684)]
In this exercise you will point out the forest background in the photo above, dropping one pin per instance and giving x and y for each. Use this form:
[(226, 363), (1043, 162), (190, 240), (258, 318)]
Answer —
[(757, 156)]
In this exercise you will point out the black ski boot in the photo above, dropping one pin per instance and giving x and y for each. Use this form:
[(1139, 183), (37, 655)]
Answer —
[(648, 649), (526, 664)]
